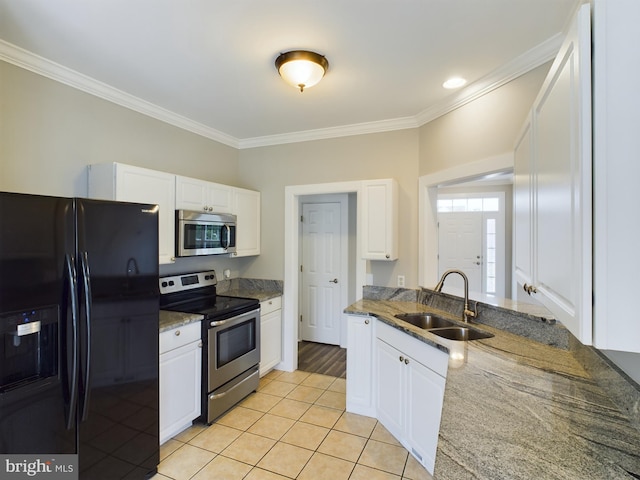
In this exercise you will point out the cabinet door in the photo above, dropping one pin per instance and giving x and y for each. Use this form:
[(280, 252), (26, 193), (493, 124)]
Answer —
[(125, 183), (380, 219), (390, 389), (141, 185), (247, 209), (202, 196), (360, 362), (562, 122), (425, 395), (616, 60), (270, 340), (523, 206), (191, 194), (180, 401)]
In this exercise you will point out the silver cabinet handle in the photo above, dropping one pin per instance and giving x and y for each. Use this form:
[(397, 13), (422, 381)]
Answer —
[(335, 280), (366, 322), (177, 333), (401, 358)]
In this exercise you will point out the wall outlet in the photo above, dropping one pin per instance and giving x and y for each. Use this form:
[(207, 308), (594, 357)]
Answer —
[(401, 280)]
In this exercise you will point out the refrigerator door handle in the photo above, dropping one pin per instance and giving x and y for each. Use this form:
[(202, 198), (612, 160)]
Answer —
[(72, 283), (86, 285)]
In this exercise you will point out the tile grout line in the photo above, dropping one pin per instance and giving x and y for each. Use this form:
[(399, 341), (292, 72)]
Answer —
[(295, 422)]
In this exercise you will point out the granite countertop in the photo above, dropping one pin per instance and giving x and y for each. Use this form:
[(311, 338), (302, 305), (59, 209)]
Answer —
[(260, 295), (170, 320), (520, 409)]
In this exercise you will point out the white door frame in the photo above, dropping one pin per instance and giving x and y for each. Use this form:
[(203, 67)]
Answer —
[(291, 258), (427, 208), (343, 200)]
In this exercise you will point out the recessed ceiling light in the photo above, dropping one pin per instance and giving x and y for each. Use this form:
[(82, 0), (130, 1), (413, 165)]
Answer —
[(454, 82)]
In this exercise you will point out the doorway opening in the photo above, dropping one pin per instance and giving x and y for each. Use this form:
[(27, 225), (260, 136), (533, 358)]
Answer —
[(471, 238), (356, 265), (324, 267), (485, 175)]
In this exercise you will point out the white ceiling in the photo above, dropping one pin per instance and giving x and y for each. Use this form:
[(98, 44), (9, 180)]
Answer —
[(208, 65)]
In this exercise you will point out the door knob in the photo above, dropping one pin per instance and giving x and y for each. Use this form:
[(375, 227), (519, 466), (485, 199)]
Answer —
[(335, 280)]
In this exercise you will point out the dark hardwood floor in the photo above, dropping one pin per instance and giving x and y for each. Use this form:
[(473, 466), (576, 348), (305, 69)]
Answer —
[(322, 358)]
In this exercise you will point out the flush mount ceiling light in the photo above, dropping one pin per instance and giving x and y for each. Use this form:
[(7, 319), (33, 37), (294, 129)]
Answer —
[(454, 82), (301, 68)]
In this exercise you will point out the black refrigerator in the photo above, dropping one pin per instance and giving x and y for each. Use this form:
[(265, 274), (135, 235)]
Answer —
[(79, 332)]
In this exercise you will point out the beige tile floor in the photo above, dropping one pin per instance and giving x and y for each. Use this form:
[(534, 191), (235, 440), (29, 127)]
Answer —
[(294, 427)]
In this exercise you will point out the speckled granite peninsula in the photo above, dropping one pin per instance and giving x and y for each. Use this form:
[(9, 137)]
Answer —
[(526, 409)]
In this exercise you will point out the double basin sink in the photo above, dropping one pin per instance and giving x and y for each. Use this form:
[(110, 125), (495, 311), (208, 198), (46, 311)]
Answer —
[(442, 327)]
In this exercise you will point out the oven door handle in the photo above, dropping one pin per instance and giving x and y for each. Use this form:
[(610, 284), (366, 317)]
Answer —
[(222, 322), (215, 396)]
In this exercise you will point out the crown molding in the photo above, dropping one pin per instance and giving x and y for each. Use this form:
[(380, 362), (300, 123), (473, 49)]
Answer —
[(332, 132), (531, 59), (29, 61), (526, 62)]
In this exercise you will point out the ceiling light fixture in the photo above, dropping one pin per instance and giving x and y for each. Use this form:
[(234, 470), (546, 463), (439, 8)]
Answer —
[(454, 82), (301, 68)]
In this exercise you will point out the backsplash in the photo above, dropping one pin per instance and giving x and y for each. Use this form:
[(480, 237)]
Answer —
[(249, 284), (537, 326)]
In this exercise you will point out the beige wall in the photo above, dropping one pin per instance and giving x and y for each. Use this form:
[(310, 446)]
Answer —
[(49, 132), (481, 129), (384, 155)]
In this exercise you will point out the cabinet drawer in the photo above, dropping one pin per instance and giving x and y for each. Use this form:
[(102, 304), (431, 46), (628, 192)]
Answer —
[(270, 305), (177, 337)]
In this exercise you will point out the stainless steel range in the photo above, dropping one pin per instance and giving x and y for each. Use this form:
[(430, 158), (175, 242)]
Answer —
[(230, 334)]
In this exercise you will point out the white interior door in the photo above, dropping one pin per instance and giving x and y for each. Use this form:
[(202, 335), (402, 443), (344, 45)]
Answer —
[(321, 272), (460, 247)]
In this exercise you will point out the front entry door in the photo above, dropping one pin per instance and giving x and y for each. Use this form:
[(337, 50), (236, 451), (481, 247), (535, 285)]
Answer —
[(460, 247), (321, 272)]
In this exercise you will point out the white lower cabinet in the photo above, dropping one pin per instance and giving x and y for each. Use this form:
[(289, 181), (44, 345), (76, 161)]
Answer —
[(180, 379), (270, 334), (360, 379), (410, 391)]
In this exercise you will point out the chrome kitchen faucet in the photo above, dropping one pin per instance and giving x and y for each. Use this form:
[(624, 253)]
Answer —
[(466, 314)]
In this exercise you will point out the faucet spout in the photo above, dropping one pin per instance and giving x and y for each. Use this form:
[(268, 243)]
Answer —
[(467, 313)]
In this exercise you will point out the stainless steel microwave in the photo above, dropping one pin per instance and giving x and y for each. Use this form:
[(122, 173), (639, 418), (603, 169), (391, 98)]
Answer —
[(200, 233)]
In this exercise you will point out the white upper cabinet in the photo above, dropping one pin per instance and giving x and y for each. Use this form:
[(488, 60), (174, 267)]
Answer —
[(246, 207), (380, 219), (616, 122), (559, 180), (202, 196), (125, 183)]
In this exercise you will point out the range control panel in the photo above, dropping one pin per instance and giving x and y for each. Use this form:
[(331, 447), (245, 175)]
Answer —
[(188, 281)]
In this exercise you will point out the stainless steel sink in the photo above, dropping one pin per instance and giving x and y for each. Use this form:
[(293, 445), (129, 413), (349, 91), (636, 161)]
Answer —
[(460, 333), (424, 320)]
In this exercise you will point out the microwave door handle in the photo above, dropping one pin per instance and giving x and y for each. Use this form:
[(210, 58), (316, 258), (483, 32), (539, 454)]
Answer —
[(228, 236)]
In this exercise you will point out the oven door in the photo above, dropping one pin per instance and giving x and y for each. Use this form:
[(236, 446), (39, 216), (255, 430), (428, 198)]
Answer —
[(234, 347)]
